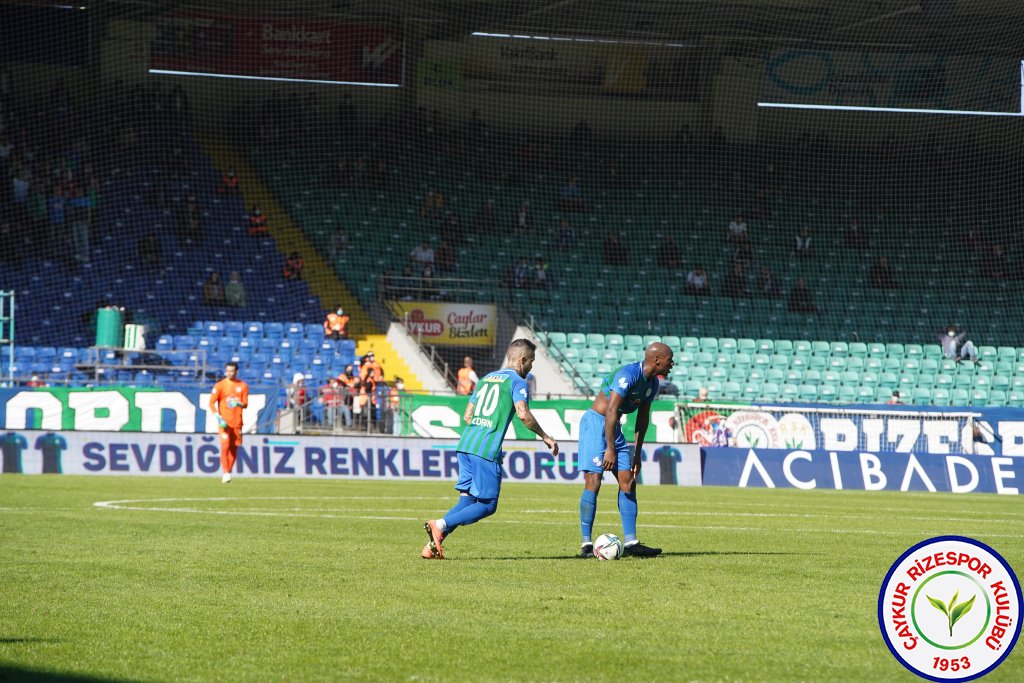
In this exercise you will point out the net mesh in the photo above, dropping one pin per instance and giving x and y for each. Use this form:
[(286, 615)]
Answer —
[(606, 168)]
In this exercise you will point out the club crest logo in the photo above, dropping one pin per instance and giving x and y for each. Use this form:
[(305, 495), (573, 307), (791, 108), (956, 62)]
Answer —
[(949, 609)]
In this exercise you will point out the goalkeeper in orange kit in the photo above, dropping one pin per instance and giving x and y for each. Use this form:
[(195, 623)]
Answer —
[(229, 398)]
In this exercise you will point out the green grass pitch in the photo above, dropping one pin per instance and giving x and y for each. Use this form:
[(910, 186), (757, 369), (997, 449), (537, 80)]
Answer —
[(291, 580)]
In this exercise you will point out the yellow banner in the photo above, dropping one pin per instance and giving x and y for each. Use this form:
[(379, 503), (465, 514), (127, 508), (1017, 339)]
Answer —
[(450, 324)]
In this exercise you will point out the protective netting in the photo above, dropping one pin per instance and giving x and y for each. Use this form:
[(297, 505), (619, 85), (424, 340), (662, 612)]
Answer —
[(614, 168)]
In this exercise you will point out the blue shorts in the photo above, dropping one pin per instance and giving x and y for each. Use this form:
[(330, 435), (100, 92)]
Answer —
[(478, 477), (590, 453)]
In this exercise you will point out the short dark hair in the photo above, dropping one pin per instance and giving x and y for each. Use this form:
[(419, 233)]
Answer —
[(231, 364), (519, 347)]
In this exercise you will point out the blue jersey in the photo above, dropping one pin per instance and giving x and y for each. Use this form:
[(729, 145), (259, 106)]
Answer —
[(630, 383), (52, 445), (12, 444), (493, 407)]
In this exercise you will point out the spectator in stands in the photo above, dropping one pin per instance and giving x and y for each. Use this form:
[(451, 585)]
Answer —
[(338, 245), (669, 256), (744, 252), (336, 324), (78, 214), (293, 266), (613, 252), (801, 300), (895, 399), (955, 344), (802, 244), (565, 237), (522, 219), (432, 209), (881, 275), (35, 382), (296, 398), (370, 372), (767, 287), (666, 387), (422, 256), (737, 230), (467, 378), (735, 284), (697, 281), (234, 291), (257, 222), (406, 287), (229, 184), (570, 197), (150, 251), (540, 274), (213, 290), (445, 259), (702, 395), (521, 275), (10, 246), (855, 237), (486, 221), (393, 414), (338, 402), (56, 209), (428, 285), (192, 221)]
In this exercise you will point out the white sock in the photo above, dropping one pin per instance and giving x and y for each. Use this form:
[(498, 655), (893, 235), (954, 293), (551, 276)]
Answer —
[(441, 524)]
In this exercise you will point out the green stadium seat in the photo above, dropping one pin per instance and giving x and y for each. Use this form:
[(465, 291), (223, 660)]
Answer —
[(876, 350), (727, 345), (963, 381), (812, 377), (794, 376), (691, 344), (802, 347), (714, 387), (699, 373), (997, 397), (1004, 368), (802, 362), (732, 391), (966, 367), (709, 344), (989, 353), (847, 394), (982, 382), (752, 374), (690, 388), (940, 397), (907, 382), (704, 358), (840, 349), (611, 355), (585, 370), (849, 378), (858, 349), (635, 342), (959, 397), (869, 379), (1007, 354), (718, 374), (766, 346), (892, 365), (605, 369), (873, 363), (595, 340), (895, 350), (555, 338), (790, 392), (781, 361), (821, 348), (761, 360), (770, 391), (576, 339), (571, 353), (649, 339), (912, 365), (855, 364), (979, 397), (929, 366), (1001, 382), (747, 346), (921, 396), (948, 366), (784, 347), (775, 375), (945, 381), (630, 356), (915, 351), (883, 394), (1015, 399), (888, 380), (741, 360), (595, 383), (827, 392), (865, 394), (613, 341), (837, 363), (932, 351), (925, 379), (831, 377), (590, 355), (808, 392), (672, 342)]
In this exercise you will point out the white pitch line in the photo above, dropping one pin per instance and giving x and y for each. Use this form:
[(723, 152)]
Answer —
[(116, 505)]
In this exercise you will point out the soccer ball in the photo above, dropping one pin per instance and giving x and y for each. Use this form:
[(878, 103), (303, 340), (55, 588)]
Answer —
[(608, 547)]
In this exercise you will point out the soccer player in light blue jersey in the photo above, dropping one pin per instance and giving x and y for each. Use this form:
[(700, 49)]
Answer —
[(497, 397), (603, 448)]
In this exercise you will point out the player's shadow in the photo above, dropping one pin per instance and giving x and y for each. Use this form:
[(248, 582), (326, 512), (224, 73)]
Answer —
[(14, 673), (4, 640), (691, 553)]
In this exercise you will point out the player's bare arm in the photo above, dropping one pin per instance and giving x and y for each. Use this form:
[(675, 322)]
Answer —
[(468, 415), (530, 422), (643, 420), (611, 419)]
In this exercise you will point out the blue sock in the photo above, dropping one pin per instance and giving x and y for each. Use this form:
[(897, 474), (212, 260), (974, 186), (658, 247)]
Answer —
[(471, 513), (588, 510), (463, 502), (627, 510)]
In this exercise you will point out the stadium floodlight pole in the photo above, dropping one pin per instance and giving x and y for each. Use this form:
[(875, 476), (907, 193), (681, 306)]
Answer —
[(891, 110), (7, 304), (1022, 86)]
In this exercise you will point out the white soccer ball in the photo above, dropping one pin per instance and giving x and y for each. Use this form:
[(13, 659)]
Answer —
[(608, 547)]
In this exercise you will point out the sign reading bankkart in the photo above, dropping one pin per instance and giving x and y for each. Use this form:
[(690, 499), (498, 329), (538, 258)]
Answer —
[(861, 471), (949, 609)]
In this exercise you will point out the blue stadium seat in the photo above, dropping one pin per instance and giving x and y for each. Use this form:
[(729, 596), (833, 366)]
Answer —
[(314, 331), (253, 328), (273, 331)]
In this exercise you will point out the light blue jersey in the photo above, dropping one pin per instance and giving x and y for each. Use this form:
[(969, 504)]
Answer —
[(630, 383), (493, 407)]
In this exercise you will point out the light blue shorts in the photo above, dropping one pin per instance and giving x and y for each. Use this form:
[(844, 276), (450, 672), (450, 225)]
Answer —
[(478, 477), (590, 453)]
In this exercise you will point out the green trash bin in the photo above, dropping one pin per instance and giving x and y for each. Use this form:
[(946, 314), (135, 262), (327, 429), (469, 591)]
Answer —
[(109, 327)]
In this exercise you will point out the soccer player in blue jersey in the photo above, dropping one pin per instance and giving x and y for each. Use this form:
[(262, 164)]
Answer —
[(603, 448), (498, 396)]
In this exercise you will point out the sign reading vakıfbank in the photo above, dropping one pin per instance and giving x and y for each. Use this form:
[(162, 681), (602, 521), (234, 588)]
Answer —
[(450, 323)]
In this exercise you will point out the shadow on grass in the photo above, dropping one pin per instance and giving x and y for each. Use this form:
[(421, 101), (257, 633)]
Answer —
[(13, 673), (18, 641), (694, 553)]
